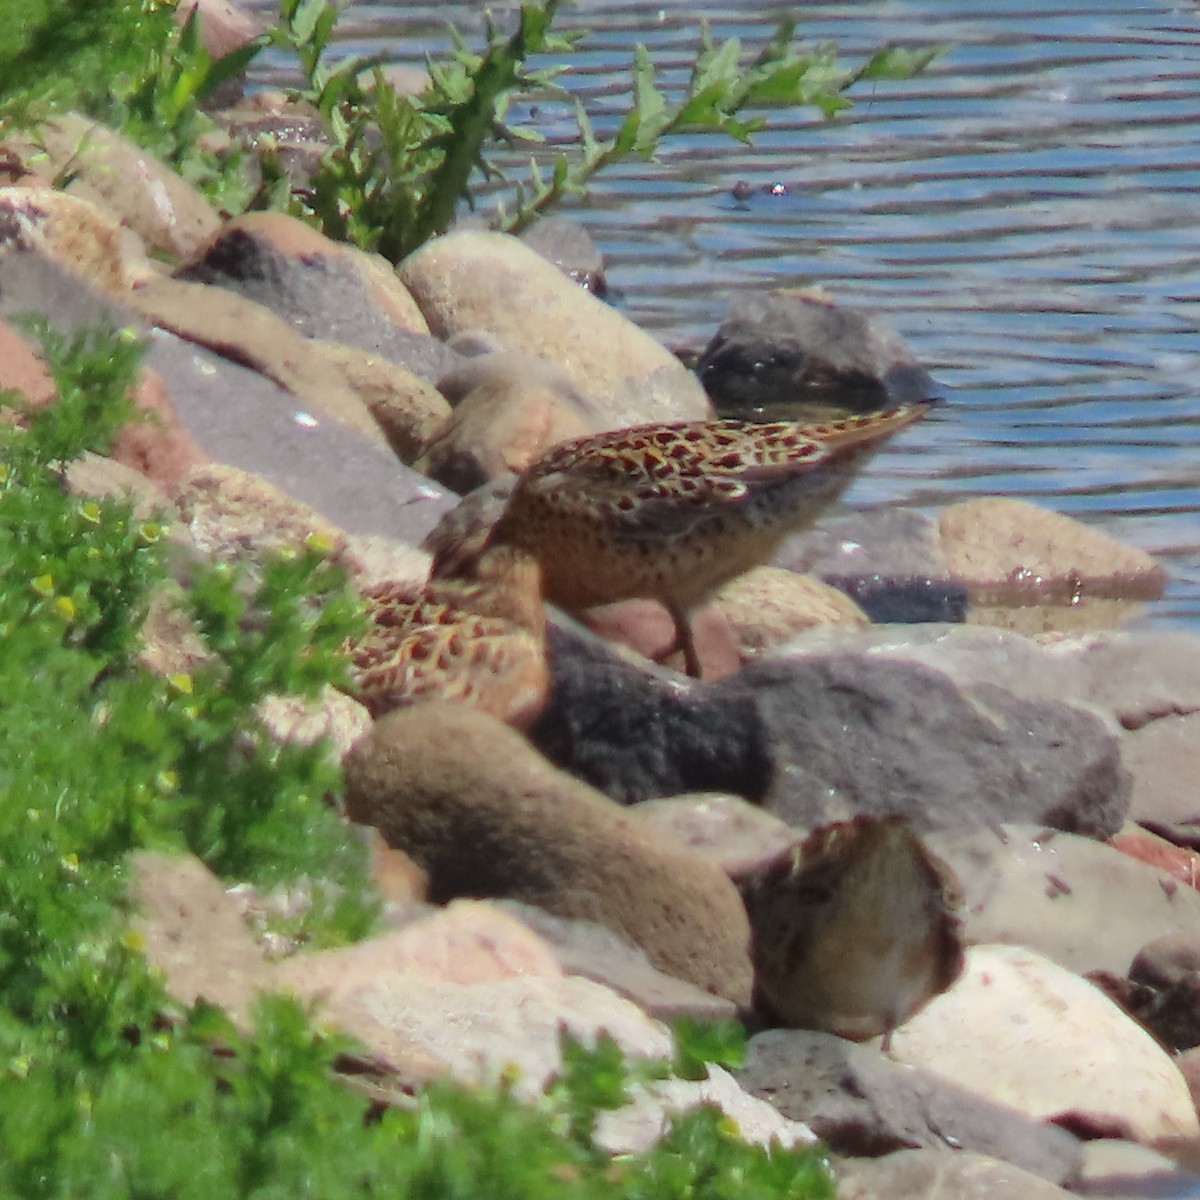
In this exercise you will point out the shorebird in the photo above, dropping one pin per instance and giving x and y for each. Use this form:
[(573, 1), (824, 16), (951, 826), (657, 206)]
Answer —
[(477, 641), (672, 511), (854, 930)]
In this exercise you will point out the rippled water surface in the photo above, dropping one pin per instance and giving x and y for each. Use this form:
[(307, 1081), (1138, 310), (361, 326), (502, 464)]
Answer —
[(1025, 214)]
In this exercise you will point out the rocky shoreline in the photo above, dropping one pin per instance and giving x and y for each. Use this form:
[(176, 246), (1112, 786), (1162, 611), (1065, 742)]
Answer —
[(962, 670)]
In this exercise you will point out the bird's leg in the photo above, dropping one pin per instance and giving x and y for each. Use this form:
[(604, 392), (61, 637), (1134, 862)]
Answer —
[(684, 640)]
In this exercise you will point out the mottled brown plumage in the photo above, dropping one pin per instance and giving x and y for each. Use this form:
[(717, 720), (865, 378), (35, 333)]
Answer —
[(476, 641), (672, 511), (854, 930)]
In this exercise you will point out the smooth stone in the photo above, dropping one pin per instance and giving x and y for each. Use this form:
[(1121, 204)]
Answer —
[(1077, 901), (485, 815), (861, 1103), (470, 280), (240, 418), (939, 1175), (728, 830), (768, 606), (1121, 1170), (568, 245), (169, 216), (1011, 552), (1164, 759), (321, 288), (1020, 1030)]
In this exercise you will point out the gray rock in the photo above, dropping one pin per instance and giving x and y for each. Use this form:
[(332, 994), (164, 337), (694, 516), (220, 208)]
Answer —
[(862, 1103), (1164, 759), (854, 734), (939, 1175), (243, 419), (569, 246), (888, 560), (790, 354)]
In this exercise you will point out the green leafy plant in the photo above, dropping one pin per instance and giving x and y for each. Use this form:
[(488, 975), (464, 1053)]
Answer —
[(400, 166)]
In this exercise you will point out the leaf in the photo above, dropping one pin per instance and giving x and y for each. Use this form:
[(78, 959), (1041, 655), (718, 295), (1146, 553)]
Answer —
[(899, 62)]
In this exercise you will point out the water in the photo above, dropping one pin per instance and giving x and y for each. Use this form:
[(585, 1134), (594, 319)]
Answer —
[(1024, 213)]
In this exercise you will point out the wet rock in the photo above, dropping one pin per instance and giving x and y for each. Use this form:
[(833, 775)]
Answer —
[(1012, 552), (1022, 1031), (493, 283), (1163, 990), (854, 734), (933, 1174), (485, 815), (166, 212), (569, 246), (794, 354), (769, 605), (320, 288), (861, 1103), (1077, 901), (889, 561)]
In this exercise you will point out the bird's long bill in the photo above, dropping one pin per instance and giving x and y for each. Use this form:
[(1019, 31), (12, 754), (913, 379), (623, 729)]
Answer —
[(846, 445)]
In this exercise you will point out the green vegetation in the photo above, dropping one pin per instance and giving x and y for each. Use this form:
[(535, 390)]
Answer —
[(398, 167), (108, 1089)]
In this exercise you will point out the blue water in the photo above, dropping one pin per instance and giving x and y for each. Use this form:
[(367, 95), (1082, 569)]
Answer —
[(1025, 214)]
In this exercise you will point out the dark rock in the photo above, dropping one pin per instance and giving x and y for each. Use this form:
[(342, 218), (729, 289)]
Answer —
[(863, 1103), (851, 733), (1164, 989), (794, 354), (636, 736), (940, 1175), (484, 815)]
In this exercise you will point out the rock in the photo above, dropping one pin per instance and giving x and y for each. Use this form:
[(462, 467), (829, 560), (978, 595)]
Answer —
[(22, 370), (94, 475), (889, 561), (1020, 1030), (243, 419), (794, 354), (853, 733), (853, 930), (587, 949), (166, 212), (233, 515), (332, 716), (192, 932), (934, 1174), (247, 333), (1129, 678), (472, 804), (769, 605), (727, 830), (406, 408), (320, 288), (647, 628), (224, 27), (1079, 902), (78, 236), (1163, 990), (569, 246), (861, 1103), (494, 283), (1189, 1064), (509, 409), (1012, 552), (636, 735), (1124, 1170), (1183, 864), (1164, 759)]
